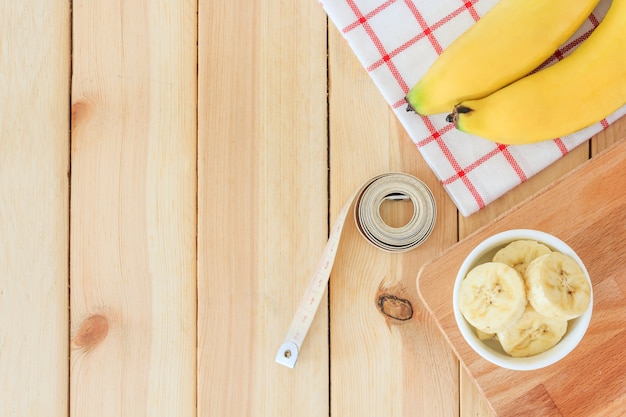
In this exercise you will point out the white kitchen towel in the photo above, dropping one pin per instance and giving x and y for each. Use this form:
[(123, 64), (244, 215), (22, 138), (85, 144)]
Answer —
[(396, 41)]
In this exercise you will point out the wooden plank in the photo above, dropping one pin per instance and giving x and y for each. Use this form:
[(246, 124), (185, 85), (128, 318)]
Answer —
[(609, 136), (133, 208), (380, 365), (34, 195), (262, 199), (592, 220)]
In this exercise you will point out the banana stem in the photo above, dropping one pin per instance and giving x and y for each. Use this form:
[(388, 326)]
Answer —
[(408, 106), (454, 116)]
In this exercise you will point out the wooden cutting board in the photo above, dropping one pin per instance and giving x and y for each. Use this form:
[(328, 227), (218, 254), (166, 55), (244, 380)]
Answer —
[(586, 209)]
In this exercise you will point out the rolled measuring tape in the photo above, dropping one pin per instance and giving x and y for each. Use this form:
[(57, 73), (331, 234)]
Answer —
[(366, 200)]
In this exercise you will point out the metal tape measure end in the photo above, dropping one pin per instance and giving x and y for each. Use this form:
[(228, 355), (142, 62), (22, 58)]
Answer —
[(287, 354)]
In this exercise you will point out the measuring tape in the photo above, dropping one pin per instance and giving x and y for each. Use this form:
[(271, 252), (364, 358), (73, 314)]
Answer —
[(367, 200)]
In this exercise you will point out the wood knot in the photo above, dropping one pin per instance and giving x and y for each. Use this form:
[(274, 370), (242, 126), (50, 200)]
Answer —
[(394, 307), (80, 111), (91, 332)]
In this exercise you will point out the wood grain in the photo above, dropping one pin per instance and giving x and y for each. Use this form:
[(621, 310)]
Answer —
[(34, 192), (380, 365), (262, 205), (592, 221), (609, 136), (133, 209)]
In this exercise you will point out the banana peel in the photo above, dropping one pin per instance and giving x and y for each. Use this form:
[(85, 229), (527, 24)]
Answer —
[(508, 42), (572, 94)]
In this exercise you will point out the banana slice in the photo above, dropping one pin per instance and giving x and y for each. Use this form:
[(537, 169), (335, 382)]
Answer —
[(520, 253), (492, 297), (532, 334), (484, 336), (557, 286)]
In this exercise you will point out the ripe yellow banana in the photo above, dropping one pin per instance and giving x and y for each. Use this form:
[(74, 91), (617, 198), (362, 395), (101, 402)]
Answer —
[(508, 42), (572, 94), (557, 286), (518, 254), (492, 297), (534, 333)]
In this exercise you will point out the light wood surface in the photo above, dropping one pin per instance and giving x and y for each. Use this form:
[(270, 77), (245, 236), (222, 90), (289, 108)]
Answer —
[(153, 251), (593, 223), (262, 204), (34, 190), (133, 209)]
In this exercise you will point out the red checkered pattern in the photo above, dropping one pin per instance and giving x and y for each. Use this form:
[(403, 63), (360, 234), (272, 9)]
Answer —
[(396, 41)]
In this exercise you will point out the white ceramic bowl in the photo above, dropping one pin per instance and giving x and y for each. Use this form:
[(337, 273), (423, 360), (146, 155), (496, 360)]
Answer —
[(490, 349)]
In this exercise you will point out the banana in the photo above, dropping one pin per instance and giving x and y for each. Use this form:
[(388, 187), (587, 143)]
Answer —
[(557, 286), (484, 336), (508, 42), (532, 334), (520, 253), (574, 93), (492, 297)]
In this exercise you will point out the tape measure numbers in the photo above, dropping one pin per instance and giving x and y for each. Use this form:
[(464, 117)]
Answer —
[(366, 200)]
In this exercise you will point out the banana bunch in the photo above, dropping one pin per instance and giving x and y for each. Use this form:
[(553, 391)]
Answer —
[(485, 79), (524, 297)]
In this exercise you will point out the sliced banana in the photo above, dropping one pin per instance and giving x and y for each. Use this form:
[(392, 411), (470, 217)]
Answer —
[(557, 286), (533, 333), (492, 297), (520, 253), (484, 336)]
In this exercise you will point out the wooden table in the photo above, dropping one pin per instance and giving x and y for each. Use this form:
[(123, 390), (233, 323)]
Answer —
[(168, 173)]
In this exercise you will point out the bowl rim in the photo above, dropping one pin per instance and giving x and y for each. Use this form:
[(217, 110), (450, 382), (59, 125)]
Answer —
[(576, 327)]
